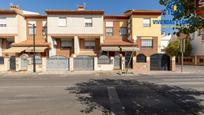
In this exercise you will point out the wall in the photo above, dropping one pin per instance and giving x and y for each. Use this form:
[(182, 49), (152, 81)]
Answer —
[(21, 29), (138, 30), (148, 51), (75, 25), (12, 25)]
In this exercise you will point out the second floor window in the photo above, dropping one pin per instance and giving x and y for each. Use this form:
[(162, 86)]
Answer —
[(109, 31), (66, 44), (62, 21), (88, 22), (3, 22), (146, 22), (90, 44), (123, 31), (30, 27), (147, 43)]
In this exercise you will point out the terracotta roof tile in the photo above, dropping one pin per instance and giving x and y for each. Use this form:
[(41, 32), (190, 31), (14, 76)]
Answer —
[(117, 42), (29, 42)]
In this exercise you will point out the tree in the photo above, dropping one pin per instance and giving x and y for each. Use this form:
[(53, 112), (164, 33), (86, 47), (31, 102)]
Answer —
[(186, 11), (173, 49)]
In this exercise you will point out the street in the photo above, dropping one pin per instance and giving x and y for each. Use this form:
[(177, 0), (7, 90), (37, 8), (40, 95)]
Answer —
[(101, 94)]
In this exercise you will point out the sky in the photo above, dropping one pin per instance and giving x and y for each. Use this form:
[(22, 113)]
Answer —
[(111, 7)]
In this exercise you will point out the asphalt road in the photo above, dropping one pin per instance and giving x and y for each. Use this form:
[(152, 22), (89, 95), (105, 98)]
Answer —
[(101, 94)]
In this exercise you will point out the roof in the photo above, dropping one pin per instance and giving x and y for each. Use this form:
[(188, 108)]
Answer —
[(143, 12), (74, 12), (117, 42), (29, 42), (116, 17), (8, 12), (36, 16)]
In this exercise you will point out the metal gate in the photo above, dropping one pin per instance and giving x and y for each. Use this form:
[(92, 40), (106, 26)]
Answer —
[(57, 63), (128, 60), (82, 63), (160, 62), (117, 62), (24, 62), (12, 61)]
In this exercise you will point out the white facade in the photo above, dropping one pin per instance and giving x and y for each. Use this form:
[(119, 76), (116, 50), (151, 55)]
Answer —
[(75, 25), (11, 24), (165, 39), (197, 44)]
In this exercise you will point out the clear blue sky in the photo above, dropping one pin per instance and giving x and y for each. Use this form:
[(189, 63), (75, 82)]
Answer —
[(111, 7)]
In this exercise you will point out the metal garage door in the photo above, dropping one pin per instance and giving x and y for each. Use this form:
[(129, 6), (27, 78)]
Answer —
[(83, 63), (56, 63), (160, 62)]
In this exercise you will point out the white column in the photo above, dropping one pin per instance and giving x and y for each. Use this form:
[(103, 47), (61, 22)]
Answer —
[(0, 47), (76, 45), (44, 64), (71, 64), (101, 39), (123, 63), (52, 42)]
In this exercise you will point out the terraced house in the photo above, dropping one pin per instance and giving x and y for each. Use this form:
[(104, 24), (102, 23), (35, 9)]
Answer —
[(81, 40)]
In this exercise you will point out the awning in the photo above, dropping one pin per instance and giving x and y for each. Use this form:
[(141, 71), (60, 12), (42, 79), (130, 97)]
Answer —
[(110, 49), (15, 50), (130, 49), (37, 49)]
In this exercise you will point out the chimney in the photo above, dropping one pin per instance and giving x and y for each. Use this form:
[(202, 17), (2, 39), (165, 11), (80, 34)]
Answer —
[(81, 8), (14, 7)]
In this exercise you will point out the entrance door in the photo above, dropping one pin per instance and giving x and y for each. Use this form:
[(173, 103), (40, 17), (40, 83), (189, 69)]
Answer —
[(128, 60), (12, 63), (117, 62)]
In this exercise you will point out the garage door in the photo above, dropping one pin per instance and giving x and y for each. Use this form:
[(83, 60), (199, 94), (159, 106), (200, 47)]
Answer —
[(84, 63), (56, 63), (160, 62)]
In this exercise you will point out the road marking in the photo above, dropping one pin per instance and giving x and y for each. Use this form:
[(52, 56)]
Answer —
[(115, 101), (5, 87)]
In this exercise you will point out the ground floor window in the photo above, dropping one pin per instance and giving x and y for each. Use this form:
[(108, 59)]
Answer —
[(1, 60), (141, 58), (90, 44)]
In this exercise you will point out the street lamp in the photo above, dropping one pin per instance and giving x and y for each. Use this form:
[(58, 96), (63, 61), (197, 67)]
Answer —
[(34, 64)]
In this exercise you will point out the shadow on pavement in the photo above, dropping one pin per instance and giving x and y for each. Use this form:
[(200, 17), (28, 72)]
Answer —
[(137, 98)]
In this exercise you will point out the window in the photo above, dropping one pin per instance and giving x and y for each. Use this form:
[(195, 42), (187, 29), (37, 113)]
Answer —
[(88, 22), (109, 31), (62, 21), (38, 59), (104, 59), (44, 28), (109, 28), (1, 60), (146, 22), (66, 44), (3, 22), (141, 58), (123, 31), (146, 43), (30, 27), (90, 44)]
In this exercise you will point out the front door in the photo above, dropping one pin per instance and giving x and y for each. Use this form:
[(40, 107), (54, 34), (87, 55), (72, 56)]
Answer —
[(12, 63)]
